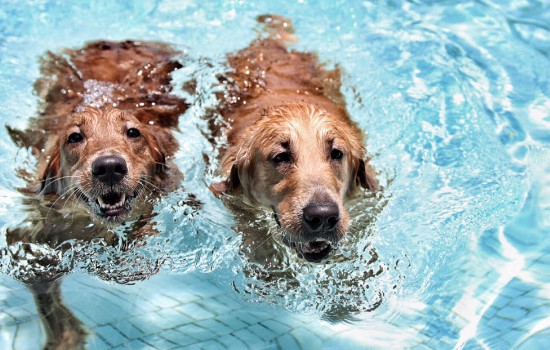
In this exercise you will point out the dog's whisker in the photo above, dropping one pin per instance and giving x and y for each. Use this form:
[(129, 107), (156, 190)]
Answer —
[(151, 185), (75, 191), (53, 181), (270, 235), (142, 186), (60, 197)]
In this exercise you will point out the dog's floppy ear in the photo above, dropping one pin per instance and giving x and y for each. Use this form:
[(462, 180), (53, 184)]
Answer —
[(364, 173), (156, 142), (236, 165), (231, 183), (50, 173), (233, 180), (366, 176)]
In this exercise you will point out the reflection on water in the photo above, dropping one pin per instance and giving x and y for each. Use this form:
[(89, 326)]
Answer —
[(454, 98), (351, 280)]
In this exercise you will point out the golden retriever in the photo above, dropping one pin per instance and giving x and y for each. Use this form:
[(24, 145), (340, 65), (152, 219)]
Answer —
[(103, 140), (104, 131), (106, 159), (292, 145)]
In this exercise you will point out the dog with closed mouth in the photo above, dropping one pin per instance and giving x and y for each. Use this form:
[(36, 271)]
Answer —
[(103, 142), (292, 147)]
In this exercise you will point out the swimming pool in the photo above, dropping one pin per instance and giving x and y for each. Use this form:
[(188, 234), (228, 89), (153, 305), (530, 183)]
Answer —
[(455, 98)]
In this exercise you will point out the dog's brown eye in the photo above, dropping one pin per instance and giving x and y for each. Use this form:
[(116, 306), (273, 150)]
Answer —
[(133, 133), (283, 157), (336, 154), (75, 137)]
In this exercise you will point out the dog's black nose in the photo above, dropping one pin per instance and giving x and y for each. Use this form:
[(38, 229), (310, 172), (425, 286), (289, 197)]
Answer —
[(323, 216), (109, 169)]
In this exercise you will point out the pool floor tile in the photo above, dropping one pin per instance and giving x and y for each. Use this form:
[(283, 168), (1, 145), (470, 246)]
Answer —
[(29, 335), (501, 301), (163, 301), (146, 325), (127, 329), (158, 342), (307, 339), (196, 312), (512, 313), (286, 341), (179, 338), (262, 332), (221, 307), (249, 338), (232, 322), (499, 324), (212, 345), (111, 335), (214, 326), (539, 340), (230, 341), (251, 318), (276, 327), (195, 331), (96, 343)]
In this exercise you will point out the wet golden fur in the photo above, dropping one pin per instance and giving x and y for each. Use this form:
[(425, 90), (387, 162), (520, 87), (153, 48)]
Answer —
[(99, 92), (283, 104), (68, 171)]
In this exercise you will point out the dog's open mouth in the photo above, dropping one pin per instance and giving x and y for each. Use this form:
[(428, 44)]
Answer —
[(112, 204), (314, 251)]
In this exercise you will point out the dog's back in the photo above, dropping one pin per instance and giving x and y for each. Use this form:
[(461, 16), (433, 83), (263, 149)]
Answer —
[(267, 72)]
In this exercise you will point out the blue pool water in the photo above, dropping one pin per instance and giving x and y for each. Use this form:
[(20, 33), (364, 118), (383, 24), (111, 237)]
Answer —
[(455, 99)]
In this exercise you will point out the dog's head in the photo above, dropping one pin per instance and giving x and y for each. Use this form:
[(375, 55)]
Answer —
[(303, 163), (105, 158)]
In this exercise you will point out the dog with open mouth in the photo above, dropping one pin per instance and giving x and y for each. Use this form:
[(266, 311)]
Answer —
[(292, 146), (103, 137), (103, 142), (106, 158)]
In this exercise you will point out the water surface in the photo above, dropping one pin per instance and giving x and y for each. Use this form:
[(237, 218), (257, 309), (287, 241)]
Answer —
[(455, 99)]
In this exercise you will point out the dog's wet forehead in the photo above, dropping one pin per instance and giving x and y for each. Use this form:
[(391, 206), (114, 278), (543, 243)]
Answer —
[(102, 124), (302, 135)]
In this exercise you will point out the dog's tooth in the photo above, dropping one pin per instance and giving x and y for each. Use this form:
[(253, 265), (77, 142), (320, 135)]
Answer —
[(120, 203), (122, 200)]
